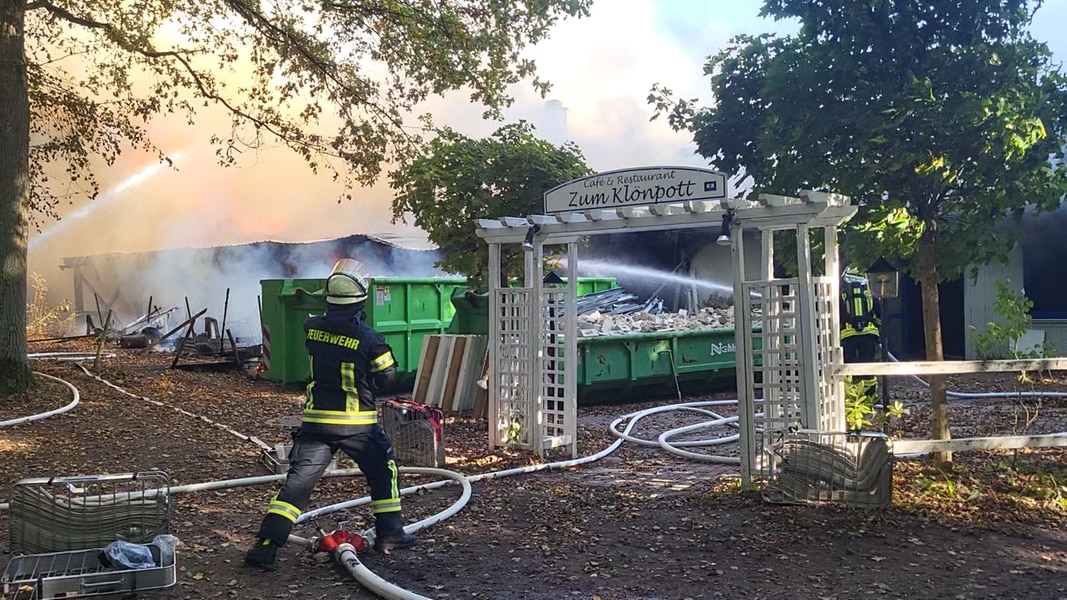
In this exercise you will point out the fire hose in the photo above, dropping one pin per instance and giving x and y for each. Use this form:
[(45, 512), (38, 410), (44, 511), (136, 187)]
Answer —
[(246, 438), (74, 402)]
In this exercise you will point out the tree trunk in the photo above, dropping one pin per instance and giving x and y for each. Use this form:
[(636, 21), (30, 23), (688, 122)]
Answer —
[(928, 280), (14, 197)]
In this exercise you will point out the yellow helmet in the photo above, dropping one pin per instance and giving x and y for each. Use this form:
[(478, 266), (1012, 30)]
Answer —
[(346, 283)]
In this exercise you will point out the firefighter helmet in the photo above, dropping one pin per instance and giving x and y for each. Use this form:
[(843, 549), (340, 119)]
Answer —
[(852, 274), (347, 283)]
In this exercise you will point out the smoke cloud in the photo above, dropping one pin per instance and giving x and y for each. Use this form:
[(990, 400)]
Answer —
[(203, 275), (601, 67)]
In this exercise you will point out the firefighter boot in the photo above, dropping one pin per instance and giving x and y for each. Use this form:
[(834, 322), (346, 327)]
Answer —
[(389, 533), (262, 555)]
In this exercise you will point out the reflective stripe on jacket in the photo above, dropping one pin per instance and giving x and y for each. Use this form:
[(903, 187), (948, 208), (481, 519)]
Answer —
[(858, 316), (344, 353)]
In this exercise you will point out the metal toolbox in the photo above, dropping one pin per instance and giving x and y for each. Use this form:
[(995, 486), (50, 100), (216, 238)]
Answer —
[(80, 574)]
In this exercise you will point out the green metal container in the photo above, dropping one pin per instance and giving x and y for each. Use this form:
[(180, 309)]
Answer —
[(403, 310), (472, 313), (586, 285), (692, 358), (472, 310)]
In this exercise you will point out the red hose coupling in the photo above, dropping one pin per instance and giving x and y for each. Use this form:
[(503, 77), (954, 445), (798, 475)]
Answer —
[(330, 542)]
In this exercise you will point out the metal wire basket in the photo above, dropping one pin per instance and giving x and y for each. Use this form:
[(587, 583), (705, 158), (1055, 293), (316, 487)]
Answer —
[(53, 514), (416, 432), (61, 525), (819, 467), (80, 574)]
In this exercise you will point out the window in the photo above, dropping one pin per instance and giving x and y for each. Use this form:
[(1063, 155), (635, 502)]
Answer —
[(1044, 266)]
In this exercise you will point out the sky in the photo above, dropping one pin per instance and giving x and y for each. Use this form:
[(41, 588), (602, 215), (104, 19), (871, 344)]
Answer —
[(601, 67)]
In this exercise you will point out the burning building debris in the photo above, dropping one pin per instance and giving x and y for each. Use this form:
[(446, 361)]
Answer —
[(119, 283), (618, 312)]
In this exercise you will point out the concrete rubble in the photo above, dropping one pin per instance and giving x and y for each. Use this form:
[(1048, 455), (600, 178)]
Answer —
[(599, 324)]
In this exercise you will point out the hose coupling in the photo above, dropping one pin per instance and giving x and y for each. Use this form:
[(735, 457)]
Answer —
[(331, 541)]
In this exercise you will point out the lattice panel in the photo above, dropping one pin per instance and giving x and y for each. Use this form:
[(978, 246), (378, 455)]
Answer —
[(557, 425), (776, 353), (778, 376), (516, 422), (827, 330)]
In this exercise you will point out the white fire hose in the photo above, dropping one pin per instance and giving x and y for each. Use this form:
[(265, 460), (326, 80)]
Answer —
[(74, 402)]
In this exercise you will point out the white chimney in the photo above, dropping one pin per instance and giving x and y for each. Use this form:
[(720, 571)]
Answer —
[(554, 122)]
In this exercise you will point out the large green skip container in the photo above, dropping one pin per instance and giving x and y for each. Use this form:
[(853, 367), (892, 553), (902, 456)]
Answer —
[(403, 310), (472, 311), (694, 357), (698, 358)]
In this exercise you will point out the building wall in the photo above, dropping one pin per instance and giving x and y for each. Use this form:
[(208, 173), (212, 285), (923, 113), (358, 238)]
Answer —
[(1055, 334), (980, 294)]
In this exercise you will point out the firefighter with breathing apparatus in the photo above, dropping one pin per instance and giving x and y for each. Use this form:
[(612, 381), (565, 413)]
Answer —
[(350, 362), (859, 326)]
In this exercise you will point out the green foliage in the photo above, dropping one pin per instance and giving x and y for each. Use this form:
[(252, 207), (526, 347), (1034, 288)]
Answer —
[(785, 252), (458, 180), (1001, 337), (331, 79), (42, 318), (859, 403), (937, 118), (862, 408)]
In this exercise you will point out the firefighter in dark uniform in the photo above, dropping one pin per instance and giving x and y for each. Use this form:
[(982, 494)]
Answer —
[(859, 326), (349, 363)]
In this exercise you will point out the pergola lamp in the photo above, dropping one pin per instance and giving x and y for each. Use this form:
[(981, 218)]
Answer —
[(724, 232), (527, 243), (883, 280)]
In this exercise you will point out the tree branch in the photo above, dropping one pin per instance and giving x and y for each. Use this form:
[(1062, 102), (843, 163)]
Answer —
[(112, 32), (262, 24), (265, 26), (179, 55)]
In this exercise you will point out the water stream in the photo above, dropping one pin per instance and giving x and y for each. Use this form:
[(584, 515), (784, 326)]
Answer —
[(610, 269), (108, 195)]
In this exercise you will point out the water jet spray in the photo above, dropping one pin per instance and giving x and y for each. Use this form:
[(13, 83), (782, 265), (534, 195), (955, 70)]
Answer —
[(108, 195)]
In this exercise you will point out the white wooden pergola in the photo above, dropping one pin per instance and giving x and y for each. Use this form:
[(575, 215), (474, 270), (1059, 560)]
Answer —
[(789, 327)]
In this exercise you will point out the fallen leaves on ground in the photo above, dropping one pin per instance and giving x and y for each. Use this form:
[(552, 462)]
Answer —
[(638, 524)]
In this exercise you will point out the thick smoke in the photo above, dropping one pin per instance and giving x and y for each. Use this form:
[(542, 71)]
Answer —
[(272, 195), (203, 275)]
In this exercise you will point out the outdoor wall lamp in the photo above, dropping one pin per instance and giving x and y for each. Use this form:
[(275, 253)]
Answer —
[(527, 244), (724, 232), (883, 279)]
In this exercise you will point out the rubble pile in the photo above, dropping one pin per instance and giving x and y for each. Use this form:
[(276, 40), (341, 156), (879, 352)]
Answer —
[(616, 301), (618, 312), (597, 323)]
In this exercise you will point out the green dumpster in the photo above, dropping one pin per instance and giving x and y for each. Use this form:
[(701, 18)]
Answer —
[(472, 310), (586, 285), (403, 310), (694, 358)]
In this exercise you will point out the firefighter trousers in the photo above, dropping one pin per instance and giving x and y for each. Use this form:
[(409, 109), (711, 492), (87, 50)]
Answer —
[(862, 348), (308, 459)]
